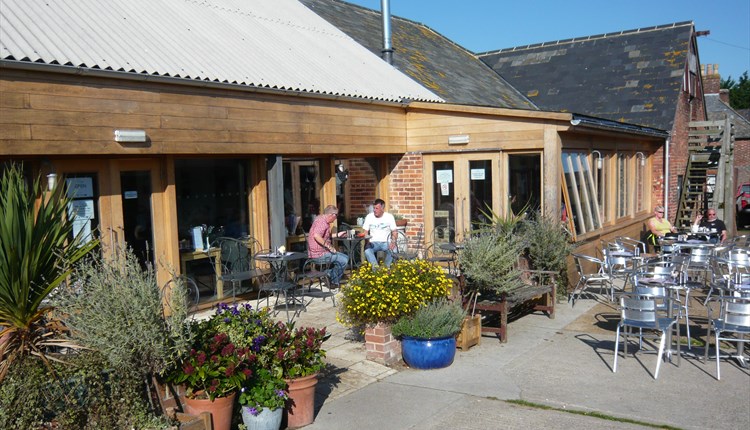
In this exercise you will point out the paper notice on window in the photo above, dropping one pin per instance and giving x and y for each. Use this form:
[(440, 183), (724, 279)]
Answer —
[(82, 227), (444, 189), (81, 209), (477, 174), (444, 176), (79, 188)]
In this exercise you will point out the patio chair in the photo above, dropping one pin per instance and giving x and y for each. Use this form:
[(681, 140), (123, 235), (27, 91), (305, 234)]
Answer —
[(734, 318), (641, 312), (316, 272), (591, 270), (237, 265), (184, 285), (274, 281), (408, 248), (619, 265), (636, 246)]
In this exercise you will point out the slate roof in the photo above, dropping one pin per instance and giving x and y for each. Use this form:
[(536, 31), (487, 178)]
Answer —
[(718, 110), (633, 76), (274, 45), (439, 64)]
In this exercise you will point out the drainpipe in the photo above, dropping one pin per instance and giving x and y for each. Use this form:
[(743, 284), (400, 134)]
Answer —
[(385, 7), (666, 176)]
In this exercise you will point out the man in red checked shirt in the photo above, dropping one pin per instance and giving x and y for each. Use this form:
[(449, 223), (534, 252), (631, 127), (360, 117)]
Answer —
[(320, 248)]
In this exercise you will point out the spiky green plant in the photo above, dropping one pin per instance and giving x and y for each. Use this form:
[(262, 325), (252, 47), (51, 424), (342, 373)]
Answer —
[(438, 318), (37, 252)]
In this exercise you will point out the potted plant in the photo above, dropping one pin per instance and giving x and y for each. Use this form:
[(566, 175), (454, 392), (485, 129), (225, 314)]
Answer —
[(400, 220), (428, 337), (297, 356), (212, 372), (263, 401), (376, 299)]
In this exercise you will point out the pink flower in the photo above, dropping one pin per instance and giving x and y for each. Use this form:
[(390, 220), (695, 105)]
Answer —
[(227, 350), (201, 358), (188, 369)]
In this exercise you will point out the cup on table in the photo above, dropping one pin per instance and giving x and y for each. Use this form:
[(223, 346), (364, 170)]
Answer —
[(352, 234)]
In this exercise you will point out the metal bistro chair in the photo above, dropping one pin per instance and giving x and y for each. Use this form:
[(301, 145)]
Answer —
[(408, 248), (591, 270), (636, 246), (641, 312), (313, 273), (237, 264), (734, 318), (620, 264), (180, 285)]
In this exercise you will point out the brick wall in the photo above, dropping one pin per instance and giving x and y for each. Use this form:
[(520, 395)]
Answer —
[(742, 161), (407, 189), (360, 188)]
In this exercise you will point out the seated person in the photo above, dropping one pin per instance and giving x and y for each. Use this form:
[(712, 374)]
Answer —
[(320, 248), (382, 229), (711, 223), (659, 226)]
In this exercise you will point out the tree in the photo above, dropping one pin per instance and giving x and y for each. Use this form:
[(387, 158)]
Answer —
[(739, 92)]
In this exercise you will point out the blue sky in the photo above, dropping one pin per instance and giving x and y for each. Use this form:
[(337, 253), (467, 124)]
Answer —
[(486, 25)]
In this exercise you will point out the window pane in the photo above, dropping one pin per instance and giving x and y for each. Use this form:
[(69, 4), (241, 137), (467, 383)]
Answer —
[(481, 191), (584, 206), (600, 182), (623, 189), (443, 179)]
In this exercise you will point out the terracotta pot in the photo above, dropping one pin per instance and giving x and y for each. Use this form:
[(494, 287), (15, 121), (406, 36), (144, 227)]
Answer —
[(301, 407), (220, 409)]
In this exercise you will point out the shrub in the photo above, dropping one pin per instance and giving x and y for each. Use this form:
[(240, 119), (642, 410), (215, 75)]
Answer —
[(293, 352), (489, 261), (384, 295), (115, 307), (548, 246), (439, 318)]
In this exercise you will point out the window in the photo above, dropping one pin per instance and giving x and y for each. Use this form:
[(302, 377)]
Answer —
[(624, 186), (582, 192), (640, 182), (601, 177)]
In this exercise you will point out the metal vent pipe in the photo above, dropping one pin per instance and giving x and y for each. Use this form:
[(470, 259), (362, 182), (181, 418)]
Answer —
[(385, 8)]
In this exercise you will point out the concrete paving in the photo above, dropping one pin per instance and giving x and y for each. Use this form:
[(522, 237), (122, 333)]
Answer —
[(564, 363), (553, 362)]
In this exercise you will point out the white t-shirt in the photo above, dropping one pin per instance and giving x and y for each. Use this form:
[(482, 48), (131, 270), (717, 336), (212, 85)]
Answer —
[(380, 228)]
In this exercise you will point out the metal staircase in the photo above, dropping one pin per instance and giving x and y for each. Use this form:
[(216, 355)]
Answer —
[(709, 153)]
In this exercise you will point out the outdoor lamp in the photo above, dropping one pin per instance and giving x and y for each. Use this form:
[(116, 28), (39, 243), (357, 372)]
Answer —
[(598, 160), (642, 157), (51, 181)]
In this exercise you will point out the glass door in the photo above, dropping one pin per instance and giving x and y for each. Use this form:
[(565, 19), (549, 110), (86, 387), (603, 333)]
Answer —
[(525, 182), (136, 214), (463, 190)]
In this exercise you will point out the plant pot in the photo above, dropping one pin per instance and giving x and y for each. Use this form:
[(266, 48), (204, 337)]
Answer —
[(426, 354), (301, 407), (402, 222), (220, 409), (267, 419)]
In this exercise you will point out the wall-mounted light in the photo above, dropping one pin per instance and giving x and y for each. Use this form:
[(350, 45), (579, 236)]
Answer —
[(51, 181), (341, 173), (458, 139), (642, 158), (598, 160), (575, 121), (130, 136)]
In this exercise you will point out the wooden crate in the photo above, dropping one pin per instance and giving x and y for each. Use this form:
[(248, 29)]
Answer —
[(471, 332)]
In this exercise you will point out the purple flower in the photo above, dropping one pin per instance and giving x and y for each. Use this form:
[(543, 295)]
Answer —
[(253, 411), (227, 320), (280, 393)]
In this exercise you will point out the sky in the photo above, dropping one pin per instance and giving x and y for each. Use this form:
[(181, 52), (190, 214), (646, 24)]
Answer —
[(487, 25)]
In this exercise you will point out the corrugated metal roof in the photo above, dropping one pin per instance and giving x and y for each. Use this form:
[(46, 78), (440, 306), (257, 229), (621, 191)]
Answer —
[(278, 44)]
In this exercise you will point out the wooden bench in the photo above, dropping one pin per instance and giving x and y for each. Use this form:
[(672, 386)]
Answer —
[(540, 289)]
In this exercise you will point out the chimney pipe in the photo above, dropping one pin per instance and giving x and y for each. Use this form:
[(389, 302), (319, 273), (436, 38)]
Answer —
[(385, 8)]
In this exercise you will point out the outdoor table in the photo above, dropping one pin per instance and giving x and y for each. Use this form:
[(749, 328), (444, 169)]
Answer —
[(187, 255), (279, 263), (350, 245), (451, 246)]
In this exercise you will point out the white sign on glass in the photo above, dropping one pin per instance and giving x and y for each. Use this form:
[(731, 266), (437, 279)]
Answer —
[(128, 195), (444, 176), (477, 174), (444, 189)]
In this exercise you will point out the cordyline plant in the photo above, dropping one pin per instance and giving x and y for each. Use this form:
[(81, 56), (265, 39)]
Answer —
[(37, 251)]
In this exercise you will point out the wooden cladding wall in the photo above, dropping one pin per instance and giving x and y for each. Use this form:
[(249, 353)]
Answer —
[(429, 131), (49, 114)]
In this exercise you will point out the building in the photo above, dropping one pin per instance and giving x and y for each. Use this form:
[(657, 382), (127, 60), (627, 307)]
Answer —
[(237, 114)]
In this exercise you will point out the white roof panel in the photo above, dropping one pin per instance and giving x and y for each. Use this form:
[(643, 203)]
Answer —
[(276, 44)]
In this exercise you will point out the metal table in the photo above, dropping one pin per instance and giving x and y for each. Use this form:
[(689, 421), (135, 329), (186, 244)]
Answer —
[(350, 245)]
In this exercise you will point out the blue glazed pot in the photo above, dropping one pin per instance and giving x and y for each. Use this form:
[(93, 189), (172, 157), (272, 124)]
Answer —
[(420, 353)]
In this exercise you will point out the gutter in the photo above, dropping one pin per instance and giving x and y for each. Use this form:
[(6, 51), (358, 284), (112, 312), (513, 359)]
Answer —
[(141, 77), (606, 124)]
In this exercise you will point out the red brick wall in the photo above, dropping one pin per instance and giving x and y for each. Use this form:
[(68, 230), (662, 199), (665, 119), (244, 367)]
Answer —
[(407, 189), (742, 162), (360, 188)]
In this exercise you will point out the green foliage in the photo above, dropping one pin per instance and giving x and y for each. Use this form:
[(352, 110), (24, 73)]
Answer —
[(293, 352), (83, 393), (739, 92), (548, 245), (489, 260), (384, 294), (264, 391), (36, 255), (115, 307), (509, 223), (439, 318), (214, 367)]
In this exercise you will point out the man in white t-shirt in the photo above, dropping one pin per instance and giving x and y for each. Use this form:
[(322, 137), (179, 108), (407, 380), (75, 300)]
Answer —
[(382, 229)]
